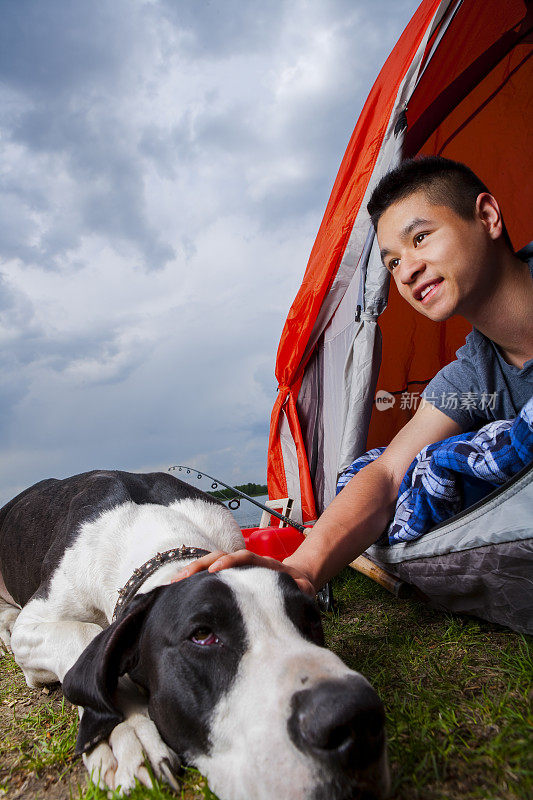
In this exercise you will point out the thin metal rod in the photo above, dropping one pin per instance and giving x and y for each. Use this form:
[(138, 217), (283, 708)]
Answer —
[(285, 519)]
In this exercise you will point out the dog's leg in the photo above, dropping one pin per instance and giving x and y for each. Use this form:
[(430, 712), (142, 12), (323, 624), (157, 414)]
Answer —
[(120, 760), (45, 649), (8, 616)]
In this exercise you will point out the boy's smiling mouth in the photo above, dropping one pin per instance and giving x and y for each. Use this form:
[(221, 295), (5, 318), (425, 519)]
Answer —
[(426, 290)]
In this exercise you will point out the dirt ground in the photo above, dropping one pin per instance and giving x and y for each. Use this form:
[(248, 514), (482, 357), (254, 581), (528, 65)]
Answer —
[(17, 781)]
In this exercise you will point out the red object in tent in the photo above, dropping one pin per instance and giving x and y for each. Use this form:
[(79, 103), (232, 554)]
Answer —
[(458, 84), (274, 542)]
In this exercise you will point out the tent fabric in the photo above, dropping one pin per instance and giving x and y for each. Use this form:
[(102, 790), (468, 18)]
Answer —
[(459, 78)]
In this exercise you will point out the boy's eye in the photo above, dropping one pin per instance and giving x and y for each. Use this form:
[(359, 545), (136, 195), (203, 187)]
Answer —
[(393, 263), (419, 237)]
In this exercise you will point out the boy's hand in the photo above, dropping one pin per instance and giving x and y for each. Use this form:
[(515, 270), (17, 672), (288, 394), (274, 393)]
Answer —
[(213, 562)]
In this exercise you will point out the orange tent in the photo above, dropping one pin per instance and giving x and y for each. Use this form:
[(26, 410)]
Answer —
[(458, 84)]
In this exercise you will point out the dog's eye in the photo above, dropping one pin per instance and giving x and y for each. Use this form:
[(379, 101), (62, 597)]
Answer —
[(204, 636)]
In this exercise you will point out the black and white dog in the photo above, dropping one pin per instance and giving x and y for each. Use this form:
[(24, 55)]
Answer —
[(224, 671)]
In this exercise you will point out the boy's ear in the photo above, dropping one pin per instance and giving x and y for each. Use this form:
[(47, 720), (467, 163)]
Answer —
[(488, 211), (93, 679)]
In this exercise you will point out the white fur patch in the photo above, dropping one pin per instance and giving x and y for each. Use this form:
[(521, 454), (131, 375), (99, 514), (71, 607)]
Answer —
[(249, 728)]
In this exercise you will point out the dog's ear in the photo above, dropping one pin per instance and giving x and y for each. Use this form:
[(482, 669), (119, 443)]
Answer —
[(93, 679)]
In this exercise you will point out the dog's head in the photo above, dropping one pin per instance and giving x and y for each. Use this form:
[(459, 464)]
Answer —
[(240, 685)]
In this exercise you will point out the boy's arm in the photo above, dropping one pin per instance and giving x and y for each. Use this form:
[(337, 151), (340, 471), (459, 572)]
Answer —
[(356, 517)]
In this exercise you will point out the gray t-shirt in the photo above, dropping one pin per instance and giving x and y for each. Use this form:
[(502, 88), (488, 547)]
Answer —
[(480, 386)]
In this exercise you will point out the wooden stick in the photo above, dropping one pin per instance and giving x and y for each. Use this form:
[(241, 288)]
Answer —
[(367, 567)]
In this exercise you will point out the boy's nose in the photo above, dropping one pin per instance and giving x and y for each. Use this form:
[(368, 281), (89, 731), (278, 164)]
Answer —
[(410, 268)]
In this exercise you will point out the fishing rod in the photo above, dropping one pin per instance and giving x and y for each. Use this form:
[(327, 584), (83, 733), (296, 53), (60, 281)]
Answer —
[(235, 500)]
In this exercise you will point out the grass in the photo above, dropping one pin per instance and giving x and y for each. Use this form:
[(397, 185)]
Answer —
[(457, 693), (46, 735), (193, 786)]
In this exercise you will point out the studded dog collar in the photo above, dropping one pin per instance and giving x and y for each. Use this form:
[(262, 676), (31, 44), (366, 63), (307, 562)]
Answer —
[(130, 589)]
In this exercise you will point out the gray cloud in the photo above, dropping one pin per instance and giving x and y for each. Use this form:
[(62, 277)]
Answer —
[(46, 50), (223, 29)]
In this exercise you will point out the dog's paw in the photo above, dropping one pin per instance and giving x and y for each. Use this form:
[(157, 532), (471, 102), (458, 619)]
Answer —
[(101, 765), (117, 763)]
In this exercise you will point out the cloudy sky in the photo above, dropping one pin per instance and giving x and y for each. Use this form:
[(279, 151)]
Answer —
[(164, 168)]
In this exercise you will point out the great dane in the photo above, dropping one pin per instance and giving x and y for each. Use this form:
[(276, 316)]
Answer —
[(226, 671)]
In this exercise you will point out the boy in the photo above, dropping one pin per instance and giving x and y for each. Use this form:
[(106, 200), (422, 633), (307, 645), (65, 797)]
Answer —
[(442, 238)]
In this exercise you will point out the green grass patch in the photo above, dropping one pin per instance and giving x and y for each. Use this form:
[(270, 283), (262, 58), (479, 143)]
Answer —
[(41, 737), (193, 787), (48, 735)]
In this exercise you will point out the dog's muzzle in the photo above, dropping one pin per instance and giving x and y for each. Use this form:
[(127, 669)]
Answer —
[(340, 723)]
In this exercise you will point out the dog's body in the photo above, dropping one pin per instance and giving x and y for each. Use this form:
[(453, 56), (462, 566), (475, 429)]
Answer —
[(232, 672)]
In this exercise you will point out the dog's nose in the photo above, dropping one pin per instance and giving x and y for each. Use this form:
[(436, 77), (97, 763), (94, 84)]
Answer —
[(340, 722)]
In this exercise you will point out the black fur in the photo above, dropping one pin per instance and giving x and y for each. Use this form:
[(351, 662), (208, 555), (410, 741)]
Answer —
[(301, 610), (93, 679), (50, 513), (152, 642)]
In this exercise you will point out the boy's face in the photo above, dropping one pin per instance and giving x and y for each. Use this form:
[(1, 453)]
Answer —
[(439, 261)]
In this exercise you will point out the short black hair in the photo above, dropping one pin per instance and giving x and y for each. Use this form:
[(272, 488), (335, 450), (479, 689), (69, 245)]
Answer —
[(444, 182)]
